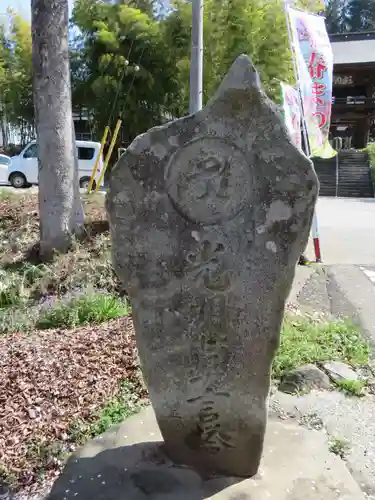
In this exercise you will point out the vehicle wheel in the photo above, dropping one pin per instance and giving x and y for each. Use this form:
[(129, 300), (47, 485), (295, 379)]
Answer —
[(84, 183), (18, 180)]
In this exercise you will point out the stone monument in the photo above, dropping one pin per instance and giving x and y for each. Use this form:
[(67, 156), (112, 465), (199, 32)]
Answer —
[(208, 216)]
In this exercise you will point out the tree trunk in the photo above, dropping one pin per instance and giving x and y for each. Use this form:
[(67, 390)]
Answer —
[(61, 213)]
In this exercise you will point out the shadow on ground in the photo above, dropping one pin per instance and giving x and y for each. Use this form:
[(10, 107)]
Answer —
[(128, 463), (135, 472)]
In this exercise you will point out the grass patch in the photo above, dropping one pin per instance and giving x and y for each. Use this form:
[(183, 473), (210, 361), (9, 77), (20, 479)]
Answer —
[(123, 405), (340, 447), (305, 340), (5, 194), (16, 319), (351, 387), (12, 290), (88, 309)]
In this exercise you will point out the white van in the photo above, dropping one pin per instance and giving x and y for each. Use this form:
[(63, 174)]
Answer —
[(4, 163), (23, 168)]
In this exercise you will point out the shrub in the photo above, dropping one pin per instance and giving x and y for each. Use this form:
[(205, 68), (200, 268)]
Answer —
[(371, 152)]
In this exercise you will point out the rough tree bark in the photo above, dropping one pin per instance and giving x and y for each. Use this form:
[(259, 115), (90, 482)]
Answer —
[(61, 212)]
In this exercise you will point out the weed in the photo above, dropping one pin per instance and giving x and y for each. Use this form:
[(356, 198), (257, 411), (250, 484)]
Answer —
[(88, 263), (84, 310), (82, 267), (15, 319), (7, 479), (351, 387), (5, 194), (305, 340), (370, 149), (46, 455), (115, 411), (312, 421), (340, 447), (12, 290)]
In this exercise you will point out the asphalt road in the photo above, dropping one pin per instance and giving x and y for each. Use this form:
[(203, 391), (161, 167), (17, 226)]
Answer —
[(346, 231)]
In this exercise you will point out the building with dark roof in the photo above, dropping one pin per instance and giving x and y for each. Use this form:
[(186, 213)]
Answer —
[(353, 103)]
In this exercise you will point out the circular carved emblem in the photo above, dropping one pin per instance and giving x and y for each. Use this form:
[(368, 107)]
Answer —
[(208, 180)]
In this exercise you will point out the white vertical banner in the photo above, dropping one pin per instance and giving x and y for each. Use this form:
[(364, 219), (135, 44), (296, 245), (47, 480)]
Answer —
[(292, 113), (314, 61)]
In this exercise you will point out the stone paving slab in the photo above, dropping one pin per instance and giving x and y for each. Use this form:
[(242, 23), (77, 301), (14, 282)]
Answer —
[(345, 418), (127, 463)]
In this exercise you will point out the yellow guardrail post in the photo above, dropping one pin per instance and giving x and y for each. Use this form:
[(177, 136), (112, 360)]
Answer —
[(109, 154), (94, 170)]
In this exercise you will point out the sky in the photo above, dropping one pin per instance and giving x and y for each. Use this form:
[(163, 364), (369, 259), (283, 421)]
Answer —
[(21, 6)]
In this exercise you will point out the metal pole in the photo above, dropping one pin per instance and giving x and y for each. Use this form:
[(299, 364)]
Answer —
[(196, 63)]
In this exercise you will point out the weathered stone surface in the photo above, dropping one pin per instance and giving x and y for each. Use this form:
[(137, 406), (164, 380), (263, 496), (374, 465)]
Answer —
[(303, 379), (208, 216), (128, 463), (339, 371)]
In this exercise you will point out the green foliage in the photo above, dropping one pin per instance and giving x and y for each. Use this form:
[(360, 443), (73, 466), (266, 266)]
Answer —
[(335, 16), (88, 309), (345, 16), (351, 387), (130, 61), (361, 15), (306, 341), (340, 447), (5, 194), (370, 149), (176, 31), (231, 28), (116, 40), (16, 76), (255, 28), (45, 453), (17, 319), (11, 290), (116, 410), (8, 479)]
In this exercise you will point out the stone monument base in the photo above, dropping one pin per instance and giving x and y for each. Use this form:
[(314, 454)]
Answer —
[(127, 463)]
